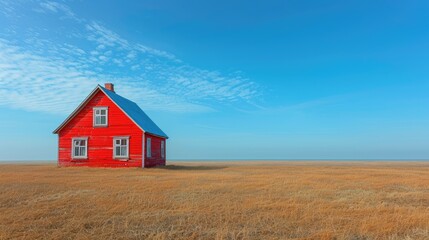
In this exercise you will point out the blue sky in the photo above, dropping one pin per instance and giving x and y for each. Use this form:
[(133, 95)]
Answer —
[(224, 79)]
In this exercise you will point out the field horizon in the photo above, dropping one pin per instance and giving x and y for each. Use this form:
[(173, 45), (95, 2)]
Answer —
[(217, 200), (172, 161)]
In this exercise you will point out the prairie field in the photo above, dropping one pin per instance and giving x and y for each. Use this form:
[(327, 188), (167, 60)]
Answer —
[(217, 200)]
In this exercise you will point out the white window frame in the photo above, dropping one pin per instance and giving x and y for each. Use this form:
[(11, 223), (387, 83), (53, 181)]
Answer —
[(162, 149), (121, 157), (73, 148), (95, 115), (149, 147)]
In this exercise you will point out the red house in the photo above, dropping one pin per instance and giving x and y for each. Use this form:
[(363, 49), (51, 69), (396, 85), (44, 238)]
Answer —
[(107, 130)]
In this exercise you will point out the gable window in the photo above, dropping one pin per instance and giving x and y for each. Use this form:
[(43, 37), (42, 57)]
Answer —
[(79, 148), (149, 147), (121, 147), (162, 149), (100, 116)]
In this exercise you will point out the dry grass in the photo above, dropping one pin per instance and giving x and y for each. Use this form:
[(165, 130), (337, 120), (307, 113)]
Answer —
[(310, 200)]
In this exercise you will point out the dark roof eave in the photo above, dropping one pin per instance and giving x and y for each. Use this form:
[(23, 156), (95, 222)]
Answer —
[(156, 135)]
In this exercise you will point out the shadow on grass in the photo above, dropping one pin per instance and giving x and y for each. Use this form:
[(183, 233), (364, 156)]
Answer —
[(192, 168)]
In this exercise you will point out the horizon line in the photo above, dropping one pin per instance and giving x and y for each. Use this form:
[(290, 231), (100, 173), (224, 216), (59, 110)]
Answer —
[(253, 160)]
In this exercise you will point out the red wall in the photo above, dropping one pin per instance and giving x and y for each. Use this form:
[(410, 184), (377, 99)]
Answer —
[(156, 158), (100, 139)]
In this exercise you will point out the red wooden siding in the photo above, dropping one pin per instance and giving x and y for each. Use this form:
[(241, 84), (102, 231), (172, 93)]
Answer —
[(156, 158), (100, 139)]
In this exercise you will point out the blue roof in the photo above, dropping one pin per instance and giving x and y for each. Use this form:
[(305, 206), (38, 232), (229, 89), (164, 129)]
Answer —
[(135, 113)]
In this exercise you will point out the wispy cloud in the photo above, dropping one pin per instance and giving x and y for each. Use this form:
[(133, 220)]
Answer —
[(41, 73), (56, 85), (319, 103), (105, 37), (7, 8), (59, 8)]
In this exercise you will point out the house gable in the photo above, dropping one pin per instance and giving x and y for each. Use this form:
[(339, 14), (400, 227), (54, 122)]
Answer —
[(129, 108), (100, 139), (83, 119)]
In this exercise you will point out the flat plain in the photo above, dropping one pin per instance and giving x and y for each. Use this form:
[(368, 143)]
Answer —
[(217, 200)]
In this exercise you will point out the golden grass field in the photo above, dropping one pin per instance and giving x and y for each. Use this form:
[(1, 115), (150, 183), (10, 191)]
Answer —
[(240, 200)]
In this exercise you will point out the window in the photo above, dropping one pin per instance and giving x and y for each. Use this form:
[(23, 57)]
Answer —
[(162, 149), (100, 116), (149, 147), (79, 148), (121, 147)]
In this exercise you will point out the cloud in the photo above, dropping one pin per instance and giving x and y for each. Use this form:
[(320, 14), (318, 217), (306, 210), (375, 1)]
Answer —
[(37, 83), (106, 37), (7, 8), (57, 7), (54, 72), (305, 106)]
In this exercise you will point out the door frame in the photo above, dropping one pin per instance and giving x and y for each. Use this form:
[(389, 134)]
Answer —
[(143, 149)]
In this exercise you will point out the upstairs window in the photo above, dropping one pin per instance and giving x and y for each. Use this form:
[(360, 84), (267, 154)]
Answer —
[(121, 147), (100, 116), (162, 149), (149, 147), (79, 148)]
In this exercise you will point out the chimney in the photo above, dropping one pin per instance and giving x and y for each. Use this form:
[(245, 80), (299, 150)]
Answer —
[(109, 86)]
